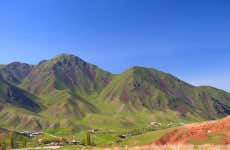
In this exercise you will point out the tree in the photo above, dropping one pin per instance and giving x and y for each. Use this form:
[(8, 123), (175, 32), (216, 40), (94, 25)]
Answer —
[(3, 145), (24, 142), (88, 139), (13, 142)]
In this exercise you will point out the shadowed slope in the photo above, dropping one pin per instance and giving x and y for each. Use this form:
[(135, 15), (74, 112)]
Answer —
[(15, 72), (17, 97), (19, 108)]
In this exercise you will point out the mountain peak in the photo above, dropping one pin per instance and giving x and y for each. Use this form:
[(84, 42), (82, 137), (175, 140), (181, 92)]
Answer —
[(62, 58), (66, 56), (137, 68), (15, 72), (141, 70), (67, 71), (18, 64)]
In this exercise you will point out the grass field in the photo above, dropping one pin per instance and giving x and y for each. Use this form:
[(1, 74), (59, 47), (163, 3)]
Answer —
[(146, 138)]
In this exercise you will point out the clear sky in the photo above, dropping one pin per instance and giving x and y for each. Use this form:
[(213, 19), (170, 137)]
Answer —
[(187, 38)]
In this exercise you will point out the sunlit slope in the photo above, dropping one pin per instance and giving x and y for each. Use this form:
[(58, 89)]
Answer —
[(141, 89), (64, 84)]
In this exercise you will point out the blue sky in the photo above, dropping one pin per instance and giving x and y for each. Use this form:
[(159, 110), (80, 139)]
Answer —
[(187, 38)]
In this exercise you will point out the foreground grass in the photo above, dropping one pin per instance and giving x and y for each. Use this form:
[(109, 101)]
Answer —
[(165, 147), (146, 138), (172, 147)]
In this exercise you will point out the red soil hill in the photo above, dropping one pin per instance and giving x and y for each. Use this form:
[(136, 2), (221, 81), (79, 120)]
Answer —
[(212, 132)]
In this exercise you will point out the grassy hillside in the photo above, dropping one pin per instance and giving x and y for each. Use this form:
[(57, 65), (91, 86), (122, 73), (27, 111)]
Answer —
[(15, 72), (19, 108), (64, 83), (10, 94), (142, 89), (70, 94), (66, 72)]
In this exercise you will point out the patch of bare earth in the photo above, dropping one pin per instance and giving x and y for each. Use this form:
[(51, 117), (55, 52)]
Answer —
[(197, 131), (170, 147)]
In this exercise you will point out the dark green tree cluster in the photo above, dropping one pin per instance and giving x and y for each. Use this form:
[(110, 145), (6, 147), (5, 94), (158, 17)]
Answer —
[(88, 140), (3, 145), (12, 140), (140, 131)]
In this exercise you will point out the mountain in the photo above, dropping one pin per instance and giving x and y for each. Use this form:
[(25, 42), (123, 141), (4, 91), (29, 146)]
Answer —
[(68, 92), (64, 83), (145, 88), (15, 72), (66, 72)]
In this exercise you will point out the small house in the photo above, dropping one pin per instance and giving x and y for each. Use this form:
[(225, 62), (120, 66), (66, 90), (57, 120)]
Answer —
[(181, 124), (75, 142), (92, 131), (156, 124), (123, 136)]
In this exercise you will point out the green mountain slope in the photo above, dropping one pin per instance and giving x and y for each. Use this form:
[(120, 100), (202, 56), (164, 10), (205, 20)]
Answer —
[(18, 108), (64, 83), (67, 92), (66, 72), (17, 97), (143, 88), (15, 72)]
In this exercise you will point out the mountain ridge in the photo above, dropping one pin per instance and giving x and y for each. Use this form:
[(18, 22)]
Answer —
[(75, 92)]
